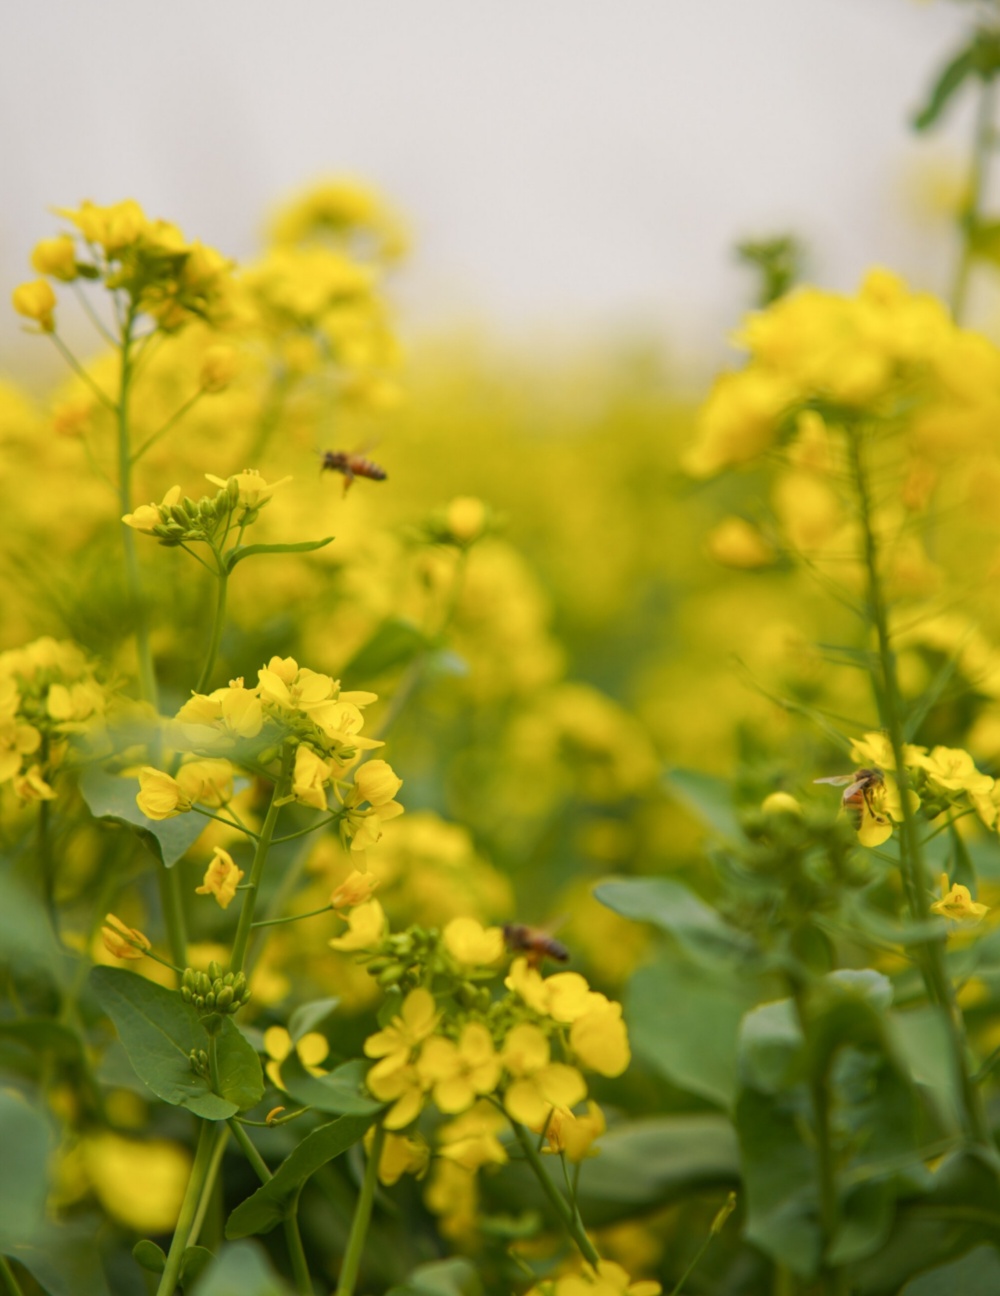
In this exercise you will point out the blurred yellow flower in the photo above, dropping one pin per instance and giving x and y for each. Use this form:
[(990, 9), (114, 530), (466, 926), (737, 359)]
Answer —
[(121, 941), (366, 926), (36, 301), (538, 1084), (160, 796), (222, 877), (956, 902), (55, 257), (473, 945), (459, 1072)]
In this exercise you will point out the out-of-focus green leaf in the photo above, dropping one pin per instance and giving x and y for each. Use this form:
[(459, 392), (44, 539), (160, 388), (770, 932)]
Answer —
[(455, 1277), (847, 1054), (647, 1163), (709, 799), (921, 1035), (24, 1154), (43, 1035), (240, 1270), (675, 909), (684, 1020), (240, 1076), (159, 1032), (109, 796), (975, 1274), (64, 1260), (194, 1262), (980, 58), (341, 1091), (395, 643), (149, 1256), (309, 1015), (269, 1204), (26, 936)]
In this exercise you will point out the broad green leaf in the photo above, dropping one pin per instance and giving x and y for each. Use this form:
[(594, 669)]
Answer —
[(921, 1036), (25, 1143), (454, 1277), (45, 1036), (240, 1076), (341, 1091), (26, 937), (684, 1020), (63, 1259), (308, 1016), (395, 643), (675, 909), (647, 1163), (240, 1270), (112, 797), (267, 1207), (249, 551), (159, 1031), (976, 1274), (149, 1256), (709, 799)]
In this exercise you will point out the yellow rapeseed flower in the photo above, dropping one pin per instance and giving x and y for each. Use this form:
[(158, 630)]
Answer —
[(537, 1084), (222, 877), (459, 1072), (473, 945), (36, 301), (160, 796), (55, 257), (956, 902), (366, 928), (121, 941)]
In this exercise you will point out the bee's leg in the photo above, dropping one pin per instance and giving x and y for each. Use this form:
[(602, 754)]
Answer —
[(348, 480)]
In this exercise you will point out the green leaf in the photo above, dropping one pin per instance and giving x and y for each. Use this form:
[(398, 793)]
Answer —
[(149, 1256), (112, 797), (341, 1091), (249, 551), (194, 1262), (684, 1020), (45, 1036), (976, 1274), (25, 1140), (675, 909), (269, 1204), (922, 1037), (240, 1076), (26, 937), (240, 1270), (159, 1031), (308, 1016), (63, 1260), (647, 1163), (950, 80), (708, 798), (394, 644), (455, 1277)]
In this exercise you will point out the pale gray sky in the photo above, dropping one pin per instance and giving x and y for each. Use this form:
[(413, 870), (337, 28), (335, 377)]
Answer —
[(566, 164)]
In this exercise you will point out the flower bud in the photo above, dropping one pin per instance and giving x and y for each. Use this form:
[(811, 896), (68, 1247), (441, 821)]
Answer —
[(36, 301), (56, 257)]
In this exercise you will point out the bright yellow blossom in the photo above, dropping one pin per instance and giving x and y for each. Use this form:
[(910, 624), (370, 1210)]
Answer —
[(608, 1279), (598, 1037), (366, 927), (56, 257), (473, 945), (956, 902), (222, 877), (160, 796), (459, 1071), (356, 889), (312, 1049), (401, 1086), (574, 1136), (148, 516), (253, 489), (538, 1084), (401, 1154), (309, 778), (414, 1023)]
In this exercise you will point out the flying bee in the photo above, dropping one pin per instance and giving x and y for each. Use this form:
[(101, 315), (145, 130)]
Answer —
[(535, 943), (352, 465), (860, 790)]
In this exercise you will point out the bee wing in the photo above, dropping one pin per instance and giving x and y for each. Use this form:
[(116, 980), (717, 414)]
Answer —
[(839, 780), (855, 787)]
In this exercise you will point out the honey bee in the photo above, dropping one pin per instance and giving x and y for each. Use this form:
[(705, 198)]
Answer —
[(860, 790), (535, 943), (352, 465)]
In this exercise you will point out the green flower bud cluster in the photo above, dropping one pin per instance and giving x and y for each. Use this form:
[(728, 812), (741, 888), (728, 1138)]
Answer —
[(185, 521), (199, 1062), (405, 957), (214, 992)]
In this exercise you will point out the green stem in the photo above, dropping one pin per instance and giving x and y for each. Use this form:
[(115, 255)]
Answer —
[(249, 1151), (217, 624), (260, 857), (9, 1279), (982, 147), (273, 922), (930, 955), (570, 1219), (82, 374), (678, 1287), (162, 431), (221, 1138), (45, 861), (172, 904), (189, 1209), (296, 1251), (362, 1216), (147, 676)]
